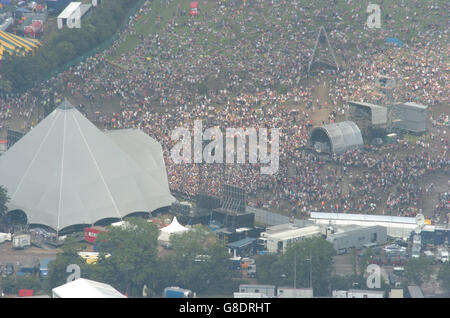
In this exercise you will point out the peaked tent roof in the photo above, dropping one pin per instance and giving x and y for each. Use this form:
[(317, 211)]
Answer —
[(66, 171), (85, 288), (146, 151), (172, 228)]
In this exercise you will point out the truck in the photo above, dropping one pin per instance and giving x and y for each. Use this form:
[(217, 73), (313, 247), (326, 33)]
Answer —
[(235, 263), (5, 237), (177, 292), (249, 295), (91, 233), (43, 270), (442, 255), (21, 241), (251, 271)]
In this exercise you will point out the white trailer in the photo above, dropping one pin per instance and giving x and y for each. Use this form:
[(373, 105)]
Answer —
[(268, 290), (279, 240), (21, 241), (289, 292), (360, 293), (249, 295), (5, 237)]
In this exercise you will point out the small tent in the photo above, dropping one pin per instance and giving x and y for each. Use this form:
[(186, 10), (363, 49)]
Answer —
[(172, 228), (394, 41)]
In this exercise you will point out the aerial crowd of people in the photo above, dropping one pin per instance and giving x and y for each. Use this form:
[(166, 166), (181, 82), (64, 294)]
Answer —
[(249, 76)]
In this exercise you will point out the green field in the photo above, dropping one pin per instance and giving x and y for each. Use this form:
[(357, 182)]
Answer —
[(402, 21)]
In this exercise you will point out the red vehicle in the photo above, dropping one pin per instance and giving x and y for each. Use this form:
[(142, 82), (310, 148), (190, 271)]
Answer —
[(378, 261), (26, 292), (91, 233), (397, 260)]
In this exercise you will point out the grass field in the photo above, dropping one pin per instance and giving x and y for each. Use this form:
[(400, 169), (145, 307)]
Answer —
[(406, 20)]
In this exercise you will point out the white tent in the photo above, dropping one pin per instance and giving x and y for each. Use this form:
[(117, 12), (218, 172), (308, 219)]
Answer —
[(172, 228), (66, 171), (85, 288)]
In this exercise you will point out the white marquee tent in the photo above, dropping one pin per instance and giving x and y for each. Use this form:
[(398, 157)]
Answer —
[(172, 228), (66, 171), (85, 288)]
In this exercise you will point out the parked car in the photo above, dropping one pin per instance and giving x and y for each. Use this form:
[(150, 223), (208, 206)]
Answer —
[(401, 243)]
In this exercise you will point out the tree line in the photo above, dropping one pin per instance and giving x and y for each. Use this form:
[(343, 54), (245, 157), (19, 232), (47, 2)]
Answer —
[(130, 259), (18, 73)]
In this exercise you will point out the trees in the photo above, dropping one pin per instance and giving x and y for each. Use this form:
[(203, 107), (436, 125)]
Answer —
[(19, 73), (200, 262), (57, 271), (267, 269), (4, 199), (444, 276), (305, 263), (417, 270), (133, 260), (12, 285)]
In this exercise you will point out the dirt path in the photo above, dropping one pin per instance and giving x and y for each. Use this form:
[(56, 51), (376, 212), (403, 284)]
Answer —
[(321, 102)]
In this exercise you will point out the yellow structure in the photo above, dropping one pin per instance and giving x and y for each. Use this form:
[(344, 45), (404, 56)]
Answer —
[(91, 257), (16, 45)]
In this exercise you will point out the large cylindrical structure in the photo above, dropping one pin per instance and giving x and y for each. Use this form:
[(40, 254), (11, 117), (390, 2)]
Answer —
[(336, 138)]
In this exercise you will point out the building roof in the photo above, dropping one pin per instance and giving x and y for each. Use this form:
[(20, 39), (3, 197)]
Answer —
[(359, 229), (241, 243), (69, 10), (85, 288), (292, 233), (378, 113), (363, 217), (66, 171), (366, 105), (415, 105)]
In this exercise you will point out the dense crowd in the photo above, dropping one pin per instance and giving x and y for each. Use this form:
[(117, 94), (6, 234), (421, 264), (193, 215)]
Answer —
[(171, 79)]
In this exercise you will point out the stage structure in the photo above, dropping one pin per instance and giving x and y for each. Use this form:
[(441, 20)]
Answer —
[(336, 138), (321, 38), (232, 212)]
